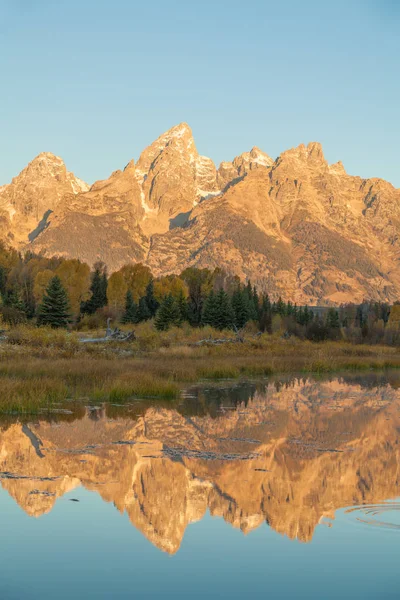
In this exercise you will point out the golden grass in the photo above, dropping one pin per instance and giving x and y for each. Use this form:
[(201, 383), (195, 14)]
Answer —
[(30, 395)]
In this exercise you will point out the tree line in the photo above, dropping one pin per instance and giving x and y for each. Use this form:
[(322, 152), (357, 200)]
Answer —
[(65, 292)]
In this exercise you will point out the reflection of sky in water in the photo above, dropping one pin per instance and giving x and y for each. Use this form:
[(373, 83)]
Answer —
[(88, 550), (327, 445)]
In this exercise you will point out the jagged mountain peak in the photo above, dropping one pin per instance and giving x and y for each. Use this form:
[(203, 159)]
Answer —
[(302, 157), (180, 136), (261, 157), (130, 166), (179, 131), (39, 189), (44, 165), (337, 168), (47, 167), (229, 173), (47, 156)]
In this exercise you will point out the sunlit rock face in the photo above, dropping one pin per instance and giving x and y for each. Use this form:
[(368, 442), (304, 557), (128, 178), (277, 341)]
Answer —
[(37, 191), (295, 226), (289, 456)]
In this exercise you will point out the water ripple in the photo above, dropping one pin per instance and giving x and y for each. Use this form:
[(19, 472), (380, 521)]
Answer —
[(371, 514)]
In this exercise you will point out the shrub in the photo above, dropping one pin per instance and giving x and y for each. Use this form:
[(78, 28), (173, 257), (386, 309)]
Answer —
[(12, 316)]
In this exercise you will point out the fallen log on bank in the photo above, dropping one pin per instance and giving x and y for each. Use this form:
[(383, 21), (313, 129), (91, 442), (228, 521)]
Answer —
[(114, 335), (238, 339), (216, 342)]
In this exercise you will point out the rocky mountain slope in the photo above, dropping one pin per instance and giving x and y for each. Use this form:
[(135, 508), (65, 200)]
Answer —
[(289, 458), (296, 226)]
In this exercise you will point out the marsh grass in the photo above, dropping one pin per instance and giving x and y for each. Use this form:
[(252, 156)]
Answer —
[(125, 388), (30, 395), (40, 368)]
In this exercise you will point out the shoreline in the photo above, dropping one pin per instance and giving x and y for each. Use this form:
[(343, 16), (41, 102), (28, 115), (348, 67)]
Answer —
[(40, 368)]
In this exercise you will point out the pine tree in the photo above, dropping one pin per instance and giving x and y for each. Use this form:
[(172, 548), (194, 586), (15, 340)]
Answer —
[(256, 302), (295, 311), (248, 293), (103, 289), (225, 314), (131, 309), (13, 299), (240, 307), (265, 321), (54, 308), (183, 306), (209, 316), (143, 312), (359, 316), (281, 307), (317, 331), (308, 315), (266, 303), (151, 301), (168, 314), (332, 319), (98, 290), (28, 297), (3, 281)]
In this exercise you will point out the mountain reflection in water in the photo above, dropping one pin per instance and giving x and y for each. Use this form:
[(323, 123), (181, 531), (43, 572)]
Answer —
[(286, 454)]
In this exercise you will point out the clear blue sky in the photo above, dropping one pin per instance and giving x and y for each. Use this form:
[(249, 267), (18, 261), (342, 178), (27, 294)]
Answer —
[(95, 81)]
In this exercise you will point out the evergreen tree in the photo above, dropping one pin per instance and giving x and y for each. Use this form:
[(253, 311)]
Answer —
[(385, 312), (256, 302), (225, 314), (103, 289), (240, 307), (168, 314), (143, 312), (317, 331), (3, 281), (199, 282), (359, 316), (98, 290), (332, 319), (280, 307), (308, 315), (183, 306), (218, 311), (265, 320), (266, 303), (151, 301), (209, 316), (248, 293), (54, 308), (295, 311), (300, 316), (28, 297), (13, 299), (131, 309)]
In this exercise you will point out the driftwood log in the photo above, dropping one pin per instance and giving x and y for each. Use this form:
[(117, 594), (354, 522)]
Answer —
[(112, 335), (238, 339), (121, 336)]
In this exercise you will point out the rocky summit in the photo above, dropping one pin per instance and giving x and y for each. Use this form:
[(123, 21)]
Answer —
[(295, 226)]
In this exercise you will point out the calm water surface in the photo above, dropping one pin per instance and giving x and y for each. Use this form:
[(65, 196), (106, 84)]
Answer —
[(278, 490)]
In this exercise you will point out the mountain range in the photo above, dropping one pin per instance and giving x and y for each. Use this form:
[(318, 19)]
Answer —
[(295, 226)]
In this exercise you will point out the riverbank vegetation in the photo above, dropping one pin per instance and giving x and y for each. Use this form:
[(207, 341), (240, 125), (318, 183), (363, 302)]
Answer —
[(42, 367), (196, 326)]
